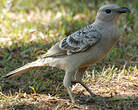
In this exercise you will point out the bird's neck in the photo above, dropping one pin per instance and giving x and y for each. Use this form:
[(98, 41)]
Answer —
[(102, 23)]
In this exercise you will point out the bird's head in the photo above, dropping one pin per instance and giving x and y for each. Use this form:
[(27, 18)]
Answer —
[(110, 13)]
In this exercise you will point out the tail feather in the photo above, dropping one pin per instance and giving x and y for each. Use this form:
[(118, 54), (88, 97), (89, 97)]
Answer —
[(25, 68)]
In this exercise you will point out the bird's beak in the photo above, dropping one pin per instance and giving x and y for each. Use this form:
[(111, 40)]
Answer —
[(123, 10)]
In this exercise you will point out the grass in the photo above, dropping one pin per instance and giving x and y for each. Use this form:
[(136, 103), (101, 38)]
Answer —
[(28, 28)]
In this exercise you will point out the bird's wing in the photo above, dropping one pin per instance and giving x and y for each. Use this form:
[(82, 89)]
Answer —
[(55, 50), (81, 40), (77, 42)]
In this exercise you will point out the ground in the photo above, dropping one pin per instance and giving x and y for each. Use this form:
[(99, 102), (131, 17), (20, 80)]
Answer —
[(28, 28)]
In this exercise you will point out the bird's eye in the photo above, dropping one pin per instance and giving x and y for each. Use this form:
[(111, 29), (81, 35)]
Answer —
[(108, 11)]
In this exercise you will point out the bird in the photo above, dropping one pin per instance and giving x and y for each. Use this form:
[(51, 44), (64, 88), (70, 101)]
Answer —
[(83, 48)]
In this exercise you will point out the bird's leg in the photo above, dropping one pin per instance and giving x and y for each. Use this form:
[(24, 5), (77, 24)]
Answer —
[(85, 86), (67, 83), (78, 79), (93, 96)]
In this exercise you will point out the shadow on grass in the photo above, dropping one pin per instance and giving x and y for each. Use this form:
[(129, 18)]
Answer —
[(114, 103), (44, 101), (48, 80)]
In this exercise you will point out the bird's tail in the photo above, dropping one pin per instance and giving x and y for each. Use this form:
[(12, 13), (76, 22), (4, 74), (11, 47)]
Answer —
[(25, 68)]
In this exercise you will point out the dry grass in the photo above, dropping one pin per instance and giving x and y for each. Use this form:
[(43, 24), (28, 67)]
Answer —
[(29, 28)]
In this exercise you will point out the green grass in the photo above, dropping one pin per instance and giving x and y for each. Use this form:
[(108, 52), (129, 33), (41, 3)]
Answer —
[(28, 28)]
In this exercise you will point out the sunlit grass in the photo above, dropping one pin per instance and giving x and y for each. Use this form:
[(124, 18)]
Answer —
[(29, 28)]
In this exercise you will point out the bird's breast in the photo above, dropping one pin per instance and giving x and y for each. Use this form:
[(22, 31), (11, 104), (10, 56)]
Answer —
[(100, 50)]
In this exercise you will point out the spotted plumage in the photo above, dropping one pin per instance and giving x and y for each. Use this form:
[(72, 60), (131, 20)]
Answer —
[(81, 40)]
